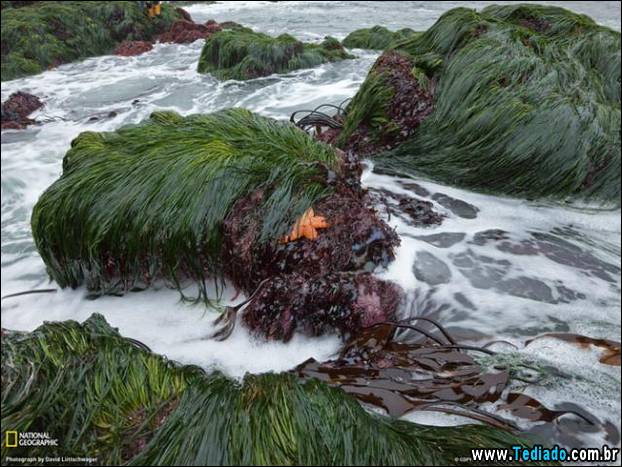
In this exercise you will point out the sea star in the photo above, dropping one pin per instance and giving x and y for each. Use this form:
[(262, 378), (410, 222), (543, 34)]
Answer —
[(306, 227)]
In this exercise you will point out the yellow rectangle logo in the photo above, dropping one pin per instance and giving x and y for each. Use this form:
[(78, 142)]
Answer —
[(10, 439)]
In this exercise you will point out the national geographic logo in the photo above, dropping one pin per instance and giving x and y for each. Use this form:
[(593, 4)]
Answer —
[(13, 439)]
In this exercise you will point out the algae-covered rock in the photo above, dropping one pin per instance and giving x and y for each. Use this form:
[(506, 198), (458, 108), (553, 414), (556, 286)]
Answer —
[(19, 4), (149, 201), (516, 99), (375, 38), (108, 397), (319, 304), (355, 240), (190, 199), (244, 54), (47, 34)]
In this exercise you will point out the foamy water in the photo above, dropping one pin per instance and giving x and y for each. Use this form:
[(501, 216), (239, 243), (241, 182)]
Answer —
[(496, 268)]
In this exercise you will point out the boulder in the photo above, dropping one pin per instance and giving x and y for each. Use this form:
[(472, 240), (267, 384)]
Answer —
[(43, 36), (242, 54), (516, 99), (217, 197), (16, 108)]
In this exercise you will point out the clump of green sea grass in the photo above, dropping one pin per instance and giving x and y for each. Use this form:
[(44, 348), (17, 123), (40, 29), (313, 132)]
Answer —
[(148, 201), (105, 396), (244, 54), (526, 101), (375, 38), (47, 34)]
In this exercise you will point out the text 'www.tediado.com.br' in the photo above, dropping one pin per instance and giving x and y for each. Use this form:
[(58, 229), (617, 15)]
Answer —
[(539, 453)]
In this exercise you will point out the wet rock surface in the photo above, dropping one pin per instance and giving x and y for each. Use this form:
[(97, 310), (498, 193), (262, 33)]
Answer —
[(415, 188), (443, 239), (430, 269), (413, 211), (132, 48), (16, 108), (187, 31), (356, 240), (304, 277), (456, 206)]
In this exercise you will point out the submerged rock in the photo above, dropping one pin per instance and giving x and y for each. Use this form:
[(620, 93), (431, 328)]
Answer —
[(168, 414), (443, 239), (132, 48), (244, 54), (456, 206), (16, 108), (431, 270), (48, 34), (473, 102), (412, 210), (375, 38)]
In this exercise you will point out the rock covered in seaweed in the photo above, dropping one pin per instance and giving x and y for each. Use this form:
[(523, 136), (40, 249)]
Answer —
[(16, 108), (243, 54), (216, 195), (525, 101), (47, 34), (375, 38), (104, 225), (393, 83), (184, 416)]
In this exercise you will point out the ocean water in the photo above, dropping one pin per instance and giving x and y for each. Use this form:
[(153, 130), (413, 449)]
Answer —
[(496, 268)]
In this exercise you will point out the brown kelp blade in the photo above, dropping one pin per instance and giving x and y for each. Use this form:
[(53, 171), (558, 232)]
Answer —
[(401, 377), (407, 371)]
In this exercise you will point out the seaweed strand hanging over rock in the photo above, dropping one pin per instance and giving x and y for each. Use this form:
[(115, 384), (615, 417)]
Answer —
[(245, 54), (64, 375), (515, 99)]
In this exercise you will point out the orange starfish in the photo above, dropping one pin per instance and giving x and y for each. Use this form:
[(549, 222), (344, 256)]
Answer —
[(306, 227)]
